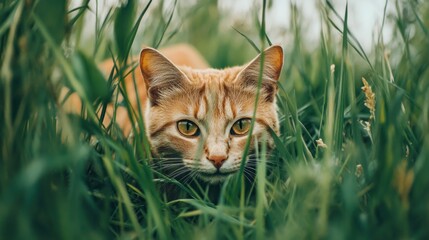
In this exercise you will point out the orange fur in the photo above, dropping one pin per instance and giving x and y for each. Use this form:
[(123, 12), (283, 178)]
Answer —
[(213, 100), (175, 84)]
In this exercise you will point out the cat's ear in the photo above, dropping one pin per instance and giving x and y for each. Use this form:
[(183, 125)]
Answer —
[(273, 62), (161, 76)]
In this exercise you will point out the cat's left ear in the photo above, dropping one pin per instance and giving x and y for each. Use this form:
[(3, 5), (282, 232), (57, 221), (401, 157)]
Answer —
[(273, 62)]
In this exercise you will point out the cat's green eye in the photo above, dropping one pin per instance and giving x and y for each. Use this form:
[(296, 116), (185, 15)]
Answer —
[(188, 128), (241, 127)]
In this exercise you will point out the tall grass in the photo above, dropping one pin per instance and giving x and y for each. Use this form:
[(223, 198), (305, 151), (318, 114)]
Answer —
[(345, 166)]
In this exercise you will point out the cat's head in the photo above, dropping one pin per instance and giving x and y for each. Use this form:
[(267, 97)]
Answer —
[(198, 121)]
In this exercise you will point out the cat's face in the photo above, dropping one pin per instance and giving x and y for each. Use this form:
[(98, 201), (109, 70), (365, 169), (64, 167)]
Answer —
[(198, 121)]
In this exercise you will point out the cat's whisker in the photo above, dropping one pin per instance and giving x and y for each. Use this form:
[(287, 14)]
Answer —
[(250, 169), (248, 175), (178, 173), (162, 162), (166, 161), (183, 176), (190, 177), (258, 157), (167, 167)]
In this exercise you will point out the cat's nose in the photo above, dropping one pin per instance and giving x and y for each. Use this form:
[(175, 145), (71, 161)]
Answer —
[(217, 160)]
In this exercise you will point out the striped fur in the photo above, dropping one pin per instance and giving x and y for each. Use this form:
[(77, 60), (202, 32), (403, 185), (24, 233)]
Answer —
[(214, 100), (176, 84)]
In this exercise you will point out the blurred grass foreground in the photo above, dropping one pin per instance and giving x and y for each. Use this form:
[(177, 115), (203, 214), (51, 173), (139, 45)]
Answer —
[(352, 160)]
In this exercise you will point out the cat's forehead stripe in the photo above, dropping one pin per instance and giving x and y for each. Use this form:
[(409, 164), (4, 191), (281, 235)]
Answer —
[(201, 107), (221, 105), (212, 101)]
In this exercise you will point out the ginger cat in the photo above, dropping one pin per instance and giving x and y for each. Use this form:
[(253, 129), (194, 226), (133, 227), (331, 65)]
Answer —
[(197, 119)]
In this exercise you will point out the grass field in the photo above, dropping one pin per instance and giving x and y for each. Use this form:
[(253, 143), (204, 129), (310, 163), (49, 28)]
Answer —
[(352, 160)]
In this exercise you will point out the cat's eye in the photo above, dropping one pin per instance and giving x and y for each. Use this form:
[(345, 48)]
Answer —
[(241, 127), (188, 128)]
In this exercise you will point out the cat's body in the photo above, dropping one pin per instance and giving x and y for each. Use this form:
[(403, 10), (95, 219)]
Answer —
[(198, 120)]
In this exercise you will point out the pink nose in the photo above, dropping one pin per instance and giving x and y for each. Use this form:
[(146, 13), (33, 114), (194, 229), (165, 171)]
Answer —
[(217, 160)]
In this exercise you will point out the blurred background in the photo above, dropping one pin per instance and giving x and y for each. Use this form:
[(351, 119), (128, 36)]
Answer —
[(200, 22), (351, 160)]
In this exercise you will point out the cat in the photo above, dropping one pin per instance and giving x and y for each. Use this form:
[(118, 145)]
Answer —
[(202, 117), (198, 119)]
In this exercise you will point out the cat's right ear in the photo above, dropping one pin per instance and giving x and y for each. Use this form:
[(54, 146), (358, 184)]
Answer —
[(272, 60), (161, 76)]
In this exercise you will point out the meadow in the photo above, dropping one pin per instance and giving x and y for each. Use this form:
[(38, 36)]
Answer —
[(351, 162)]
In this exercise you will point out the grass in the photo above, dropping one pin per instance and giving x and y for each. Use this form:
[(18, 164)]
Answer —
[(367, 179)]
